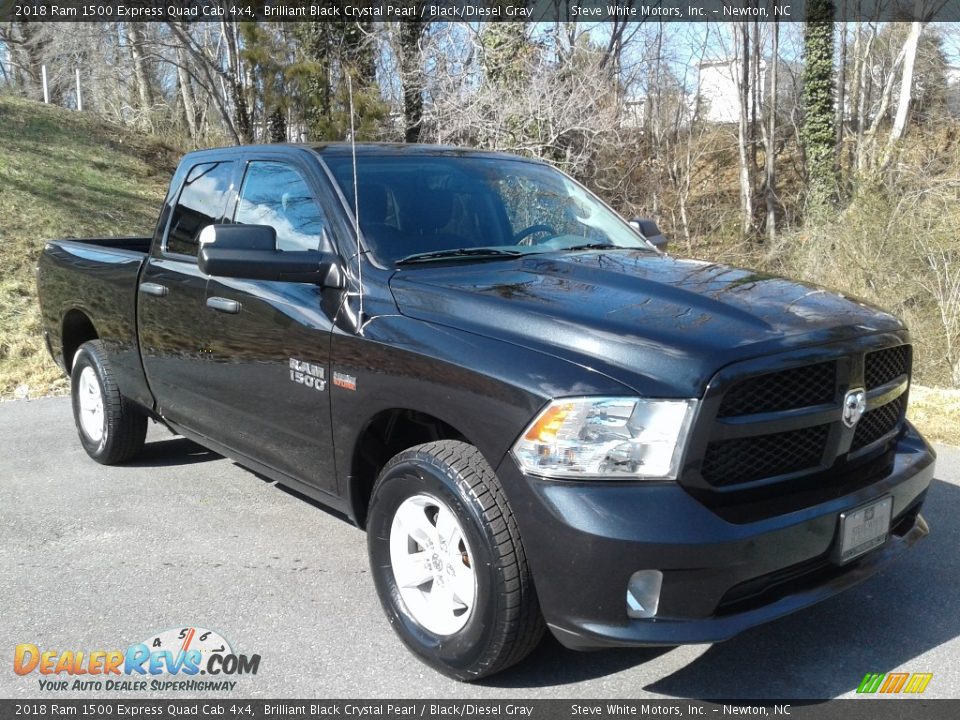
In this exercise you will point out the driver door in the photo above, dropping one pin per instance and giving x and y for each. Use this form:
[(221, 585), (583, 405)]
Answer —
[(272, 339)]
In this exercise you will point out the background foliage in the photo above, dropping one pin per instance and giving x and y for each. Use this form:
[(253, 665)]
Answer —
[(836, 161)]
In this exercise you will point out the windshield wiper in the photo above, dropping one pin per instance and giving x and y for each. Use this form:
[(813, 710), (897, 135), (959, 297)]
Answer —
[(477, 253), (592, 246)]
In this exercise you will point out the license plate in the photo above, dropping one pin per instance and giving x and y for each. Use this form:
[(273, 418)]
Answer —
[(864, 529)]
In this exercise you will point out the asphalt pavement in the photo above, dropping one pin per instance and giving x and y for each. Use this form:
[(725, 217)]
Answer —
[(99, 558)]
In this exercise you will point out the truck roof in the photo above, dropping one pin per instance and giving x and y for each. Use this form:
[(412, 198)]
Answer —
[(382, 149)]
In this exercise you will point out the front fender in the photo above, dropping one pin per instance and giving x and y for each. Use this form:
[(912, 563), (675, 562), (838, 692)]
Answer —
[(489, 390)]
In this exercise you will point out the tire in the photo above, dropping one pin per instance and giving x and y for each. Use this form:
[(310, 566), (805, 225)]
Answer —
[(112, 429), (500, 624)]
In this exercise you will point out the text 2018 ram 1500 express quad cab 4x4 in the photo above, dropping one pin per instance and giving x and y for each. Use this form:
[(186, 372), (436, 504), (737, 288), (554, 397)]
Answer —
[(540, 419)]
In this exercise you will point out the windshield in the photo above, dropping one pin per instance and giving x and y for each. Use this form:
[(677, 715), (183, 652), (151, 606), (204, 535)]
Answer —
[(433, 206)]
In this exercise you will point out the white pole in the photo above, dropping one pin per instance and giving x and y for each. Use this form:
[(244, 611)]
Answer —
[(46, 90), (79, 94)]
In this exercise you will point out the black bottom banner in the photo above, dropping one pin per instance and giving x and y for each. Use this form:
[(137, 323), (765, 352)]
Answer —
[(857, 709)]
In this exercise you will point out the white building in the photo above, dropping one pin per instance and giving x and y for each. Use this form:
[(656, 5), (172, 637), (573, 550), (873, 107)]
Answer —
[(719, 100), (719, 87)]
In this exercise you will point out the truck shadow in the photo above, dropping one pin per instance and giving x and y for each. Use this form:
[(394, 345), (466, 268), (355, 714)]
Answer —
[(821, 652), (551, 664), (172, 452)]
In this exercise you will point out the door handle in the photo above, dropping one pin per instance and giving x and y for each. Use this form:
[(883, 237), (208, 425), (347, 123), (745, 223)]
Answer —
[(154, 289), (224, 305)]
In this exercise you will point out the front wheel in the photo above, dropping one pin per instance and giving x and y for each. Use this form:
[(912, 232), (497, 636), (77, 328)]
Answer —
[(112, 429), (448, 562)]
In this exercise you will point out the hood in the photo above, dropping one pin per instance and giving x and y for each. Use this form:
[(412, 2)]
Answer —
[(660, 325)]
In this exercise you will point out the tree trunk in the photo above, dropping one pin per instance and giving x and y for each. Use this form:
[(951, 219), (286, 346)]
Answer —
[(29, 53), (743, 130), (210, 74), (756, 93), (868, 152), (818, 134), (841, 96), (236, 85), (863, 95), (906, 93), (411, 77), (770, 180), (186, 93), (136, 41)]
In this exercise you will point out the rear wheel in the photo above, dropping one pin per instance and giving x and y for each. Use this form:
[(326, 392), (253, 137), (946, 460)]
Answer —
[(112, 429), (448, 562)]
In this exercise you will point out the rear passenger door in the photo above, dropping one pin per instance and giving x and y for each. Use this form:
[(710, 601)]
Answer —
[(173, 328), (272, 340)]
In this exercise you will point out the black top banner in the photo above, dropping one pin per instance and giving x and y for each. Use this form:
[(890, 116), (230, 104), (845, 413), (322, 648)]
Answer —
[(549, 11)]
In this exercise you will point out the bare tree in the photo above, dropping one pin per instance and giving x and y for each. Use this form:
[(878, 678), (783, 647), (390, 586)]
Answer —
[(864, 36), (770, 140), (691, 150), (185, 85), (136, 43), (744, 128), (407, 46), (212, 75), (841, 109), (867, 152), (530, 105), (909, 54)]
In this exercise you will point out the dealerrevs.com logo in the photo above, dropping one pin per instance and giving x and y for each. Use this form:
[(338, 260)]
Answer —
[(171, 660)]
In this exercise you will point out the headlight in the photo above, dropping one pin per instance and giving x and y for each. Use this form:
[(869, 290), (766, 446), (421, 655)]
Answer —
[(619, 438)]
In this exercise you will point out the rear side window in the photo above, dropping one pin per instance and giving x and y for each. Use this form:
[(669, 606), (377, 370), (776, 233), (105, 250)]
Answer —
[(277, 194), (200, 204)]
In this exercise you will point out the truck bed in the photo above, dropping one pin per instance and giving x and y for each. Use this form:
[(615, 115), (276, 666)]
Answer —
[(132, 244), (95, 279)]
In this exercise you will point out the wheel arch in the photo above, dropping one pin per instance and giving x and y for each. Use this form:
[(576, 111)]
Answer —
[(76, 329), (385, 434)]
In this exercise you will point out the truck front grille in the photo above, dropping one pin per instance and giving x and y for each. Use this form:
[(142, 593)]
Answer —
[(760, 428), (793, 388), (731, 462), (883, 366), (878, 422)]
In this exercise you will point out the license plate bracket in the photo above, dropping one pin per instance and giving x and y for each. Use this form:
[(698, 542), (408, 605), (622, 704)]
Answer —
[(864, 529)]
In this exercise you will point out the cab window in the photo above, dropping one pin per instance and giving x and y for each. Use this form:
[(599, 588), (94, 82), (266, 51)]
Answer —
[(276, 194), (201, 203)]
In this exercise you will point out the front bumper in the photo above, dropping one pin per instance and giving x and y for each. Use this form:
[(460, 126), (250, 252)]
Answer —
[(584, 540)]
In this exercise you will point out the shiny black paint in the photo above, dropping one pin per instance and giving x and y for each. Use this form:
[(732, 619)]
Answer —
[(661, 325), (597, 534), (172, 333), (481, 348), (96, 279), (260, 411)]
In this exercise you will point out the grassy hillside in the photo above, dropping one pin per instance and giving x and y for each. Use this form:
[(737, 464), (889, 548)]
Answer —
[(62, 173)]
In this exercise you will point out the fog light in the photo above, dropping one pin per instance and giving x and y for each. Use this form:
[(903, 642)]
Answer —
[(643, 593)]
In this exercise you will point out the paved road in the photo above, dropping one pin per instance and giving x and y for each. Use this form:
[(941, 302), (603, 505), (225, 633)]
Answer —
[(99, 558)]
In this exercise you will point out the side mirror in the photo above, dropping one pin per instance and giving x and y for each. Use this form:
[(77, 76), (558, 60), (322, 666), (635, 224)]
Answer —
[(651, 233), (249, 252), (239, 237)]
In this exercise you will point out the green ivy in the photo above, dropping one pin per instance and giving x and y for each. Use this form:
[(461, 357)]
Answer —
[(818, 133)]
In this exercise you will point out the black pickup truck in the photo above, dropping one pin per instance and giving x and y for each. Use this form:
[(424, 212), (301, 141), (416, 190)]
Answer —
[(541, 419)]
